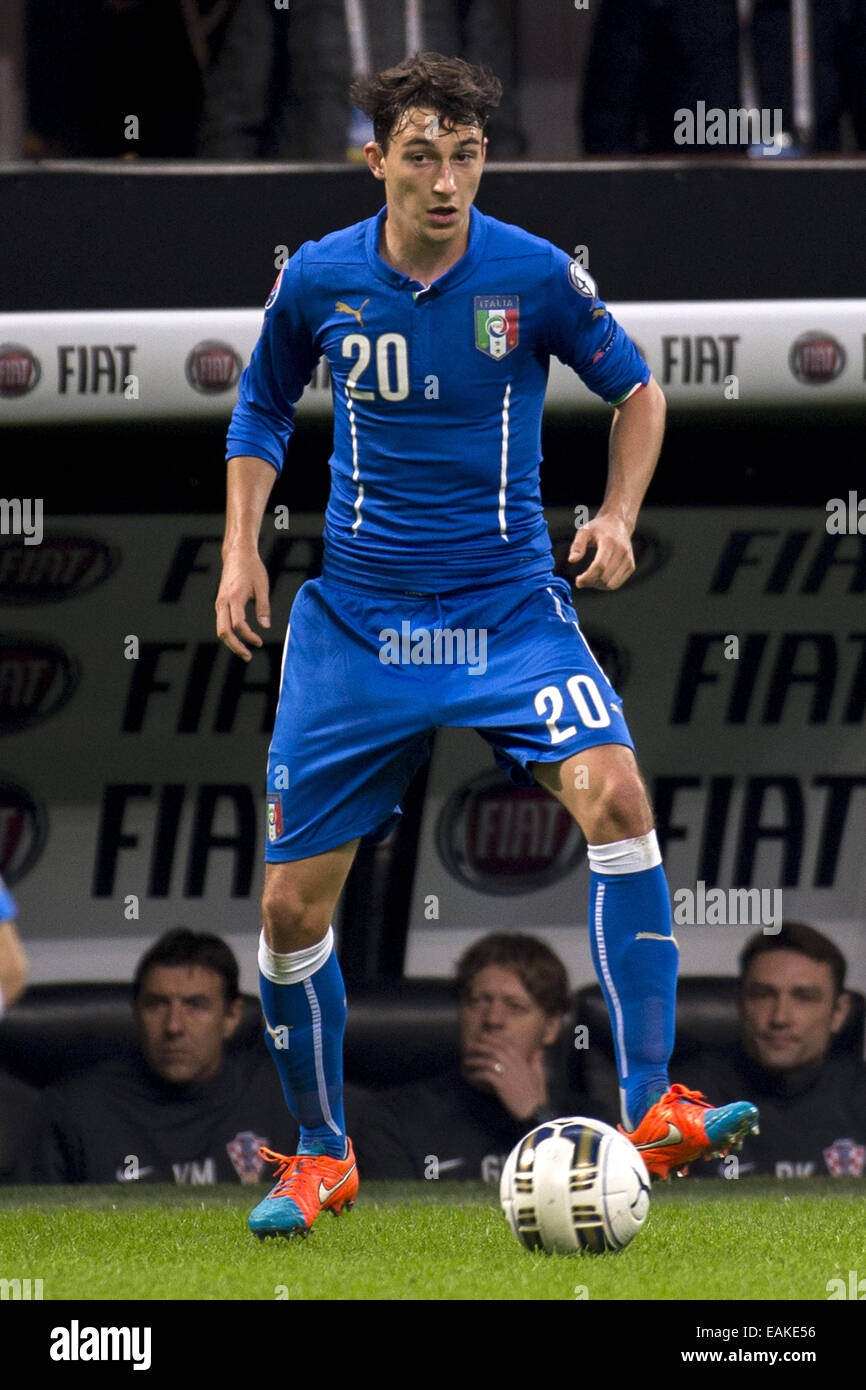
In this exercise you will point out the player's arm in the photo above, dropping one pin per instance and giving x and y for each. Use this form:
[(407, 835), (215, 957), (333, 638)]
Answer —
[(636, 434), (13, 961), (582, 332), (13, 965), (262, 423), (248, 486)]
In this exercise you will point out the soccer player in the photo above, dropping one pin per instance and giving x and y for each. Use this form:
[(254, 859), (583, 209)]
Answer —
[(438, 324), (13, 961)]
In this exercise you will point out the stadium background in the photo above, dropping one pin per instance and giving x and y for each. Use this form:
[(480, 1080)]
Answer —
[(112, 788)]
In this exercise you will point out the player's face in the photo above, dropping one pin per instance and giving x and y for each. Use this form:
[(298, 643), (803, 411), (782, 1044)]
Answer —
[(788, 1010), (431, 177), (183, 1021), (500, 1013)]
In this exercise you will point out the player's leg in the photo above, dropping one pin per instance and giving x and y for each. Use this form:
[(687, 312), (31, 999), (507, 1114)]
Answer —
[(631, 933), (546, 705), (304, 1003), (636, 958), (552, 715), (303, 995), (347, 739)]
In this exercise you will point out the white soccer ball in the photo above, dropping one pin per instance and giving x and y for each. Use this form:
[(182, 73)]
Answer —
[(575, 1184)]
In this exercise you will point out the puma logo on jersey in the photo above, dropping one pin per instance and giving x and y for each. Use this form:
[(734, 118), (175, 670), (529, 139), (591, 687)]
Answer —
[(343, 308)]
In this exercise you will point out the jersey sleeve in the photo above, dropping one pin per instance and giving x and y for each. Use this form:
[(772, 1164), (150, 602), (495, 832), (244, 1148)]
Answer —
[(282, 363), (8, 909), (584, 335)]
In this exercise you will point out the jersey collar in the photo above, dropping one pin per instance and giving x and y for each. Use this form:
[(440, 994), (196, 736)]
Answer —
[(459, 272)]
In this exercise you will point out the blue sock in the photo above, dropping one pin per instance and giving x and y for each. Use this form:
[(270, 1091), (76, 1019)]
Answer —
[(304, 1002), (636, 960)]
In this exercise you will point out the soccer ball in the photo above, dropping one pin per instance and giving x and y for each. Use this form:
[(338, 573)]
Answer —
[(575, 1184)]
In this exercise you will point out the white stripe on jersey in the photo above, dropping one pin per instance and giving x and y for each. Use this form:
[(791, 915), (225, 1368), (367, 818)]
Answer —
[(285, 650), (576, 625), (503, 469), (355, 472), (589, 649), (559, 611)]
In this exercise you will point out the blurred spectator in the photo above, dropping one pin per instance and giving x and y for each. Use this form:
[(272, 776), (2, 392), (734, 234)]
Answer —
[(12, 98), (93, 64), (181, 1110), (19, 1119), (280, 85), (17, 1102), (650, 58), (13, 961), (792, 1003), (513, 993)]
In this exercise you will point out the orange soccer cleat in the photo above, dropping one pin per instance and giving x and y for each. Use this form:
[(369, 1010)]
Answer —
[(683, 1126), (306, 1185)]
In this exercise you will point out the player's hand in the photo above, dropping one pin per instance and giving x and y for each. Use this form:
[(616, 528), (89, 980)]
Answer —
[(498, 1066), (613, 562), (244, 577)]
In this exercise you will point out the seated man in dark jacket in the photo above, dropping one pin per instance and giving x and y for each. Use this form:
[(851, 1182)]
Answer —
[(19, 1118), (180, 1110), (792, 1003), (18, 1103), (512, 992)]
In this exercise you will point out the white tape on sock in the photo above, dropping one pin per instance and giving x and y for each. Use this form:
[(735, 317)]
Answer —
[(293, 967), (625, 856)]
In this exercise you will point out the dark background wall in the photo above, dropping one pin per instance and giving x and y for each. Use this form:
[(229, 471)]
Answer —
[(117, 236)]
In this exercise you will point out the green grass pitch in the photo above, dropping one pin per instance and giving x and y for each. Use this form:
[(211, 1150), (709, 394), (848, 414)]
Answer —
[(703, 1239)]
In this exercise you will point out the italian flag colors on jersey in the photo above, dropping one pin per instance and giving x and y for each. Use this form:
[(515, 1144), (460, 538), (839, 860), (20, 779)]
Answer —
[(496, 323)]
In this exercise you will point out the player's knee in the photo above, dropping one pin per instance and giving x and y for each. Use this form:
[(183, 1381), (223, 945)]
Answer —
[(622, 811), (290, 921)]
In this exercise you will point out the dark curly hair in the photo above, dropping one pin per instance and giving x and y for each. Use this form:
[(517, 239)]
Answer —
[(459, 93)]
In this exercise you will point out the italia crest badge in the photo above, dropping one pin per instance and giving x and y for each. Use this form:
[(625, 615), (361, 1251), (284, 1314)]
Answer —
[(497, 323), (275, 816)]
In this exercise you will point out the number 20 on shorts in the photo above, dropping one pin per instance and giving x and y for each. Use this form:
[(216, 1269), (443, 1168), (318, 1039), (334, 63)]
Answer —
[(579, 688)]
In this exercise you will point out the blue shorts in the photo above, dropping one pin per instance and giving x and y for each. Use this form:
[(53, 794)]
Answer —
[(367, 678)]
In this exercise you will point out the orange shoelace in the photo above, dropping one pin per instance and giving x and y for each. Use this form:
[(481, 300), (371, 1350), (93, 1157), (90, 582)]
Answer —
[(695, 1097), (288, 1172)]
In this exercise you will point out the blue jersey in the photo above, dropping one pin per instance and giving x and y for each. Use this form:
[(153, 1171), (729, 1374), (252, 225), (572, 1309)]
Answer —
[(438, 396), (7, 903)]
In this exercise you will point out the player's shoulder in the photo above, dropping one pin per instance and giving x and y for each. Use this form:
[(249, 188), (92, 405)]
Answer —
[(347, 244), (314, 267), (540, 258), (506, 239), (311, 270)]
